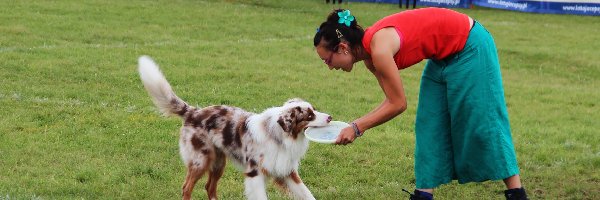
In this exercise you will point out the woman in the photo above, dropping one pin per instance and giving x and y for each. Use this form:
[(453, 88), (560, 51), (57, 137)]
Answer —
[(462, 128)]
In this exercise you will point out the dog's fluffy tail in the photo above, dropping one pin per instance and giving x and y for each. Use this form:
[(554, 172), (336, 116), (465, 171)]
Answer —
[(159, 89)]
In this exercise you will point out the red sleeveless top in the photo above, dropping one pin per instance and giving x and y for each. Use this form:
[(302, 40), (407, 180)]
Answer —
[(426, 33)]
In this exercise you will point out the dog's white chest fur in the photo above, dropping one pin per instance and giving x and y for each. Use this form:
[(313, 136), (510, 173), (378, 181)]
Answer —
[(278, 155)]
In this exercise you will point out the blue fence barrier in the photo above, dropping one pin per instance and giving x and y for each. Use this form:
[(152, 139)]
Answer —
[(554, 7), (445, 3), (576, 7), (433, 3)]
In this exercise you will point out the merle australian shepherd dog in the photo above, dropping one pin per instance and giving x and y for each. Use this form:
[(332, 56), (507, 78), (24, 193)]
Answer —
[(262, 145)]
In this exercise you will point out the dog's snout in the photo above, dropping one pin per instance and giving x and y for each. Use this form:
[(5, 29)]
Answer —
[(329, 119)]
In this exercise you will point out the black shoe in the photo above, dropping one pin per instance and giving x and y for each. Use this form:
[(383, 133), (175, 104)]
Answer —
[(515, 194), (417, 195)]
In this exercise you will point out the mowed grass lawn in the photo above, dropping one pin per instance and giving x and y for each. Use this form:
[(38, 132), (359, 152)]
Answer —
[(76, 123)]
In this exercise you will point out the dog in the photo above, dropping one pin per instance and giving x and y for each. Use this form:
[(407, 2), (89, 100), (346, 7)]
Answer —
[(262, 146)]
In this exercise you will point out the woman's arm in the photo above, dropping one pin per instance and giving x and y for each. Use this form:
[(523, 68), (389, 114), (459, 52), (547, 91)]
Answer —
[(384, 45), (391, 84)]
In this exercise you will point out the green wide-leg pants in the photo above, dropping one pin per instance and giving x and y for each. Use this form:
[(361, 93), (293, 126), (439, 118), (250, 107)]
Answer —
[(462, 128)]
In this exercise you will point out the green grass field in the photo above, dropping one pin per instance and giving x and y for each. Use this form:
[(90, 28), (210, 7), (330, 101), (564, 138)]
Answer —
[(76, 123)]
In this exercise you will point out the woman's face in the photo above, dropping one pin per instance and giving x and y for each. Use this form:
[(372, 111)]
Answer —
[(339, 59)]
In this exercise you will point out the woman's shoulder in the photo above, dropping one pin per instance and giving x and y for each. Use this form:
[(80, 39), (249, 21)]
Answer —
[(385, 40)]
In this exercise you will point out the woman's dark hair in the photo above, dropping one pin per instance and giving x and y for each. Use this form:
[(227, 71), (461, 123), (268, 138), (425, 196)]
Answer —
[(352, 34)]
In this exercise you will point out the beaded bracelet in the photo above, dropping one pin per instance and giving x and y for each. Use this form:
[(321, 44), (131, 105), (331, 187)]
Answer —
[(357, 132)]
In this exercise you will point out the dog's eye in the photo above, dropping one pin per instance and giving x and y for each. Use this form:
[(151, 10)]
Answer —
[(311, 116)]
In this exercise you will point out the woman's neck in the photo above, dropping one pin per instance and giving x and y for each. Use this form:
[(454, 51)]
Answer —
[(361, 55)]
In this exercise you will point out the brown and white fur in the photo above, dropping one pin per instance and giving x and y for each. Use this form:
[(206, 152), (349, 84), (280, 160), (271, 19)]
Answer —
[(269, 144)]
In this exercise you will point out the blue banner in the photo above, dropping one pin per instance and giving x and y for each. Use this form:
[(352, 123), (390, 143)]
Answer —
[(554, 7), (432, 3), (575, 7), (445, 3)]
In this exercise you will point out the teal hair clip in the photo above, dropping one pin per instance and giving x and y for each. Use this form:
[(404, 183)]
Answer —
[(345, 17)]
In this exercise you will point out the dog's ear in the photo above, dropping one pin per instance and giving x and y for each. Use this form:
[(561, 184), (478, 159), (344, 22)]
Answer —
[(289, 118), (285, 122)]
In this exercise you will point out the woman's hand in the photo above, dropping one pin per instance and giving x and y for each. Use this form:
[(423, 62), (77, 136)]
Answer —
[(346, 136)]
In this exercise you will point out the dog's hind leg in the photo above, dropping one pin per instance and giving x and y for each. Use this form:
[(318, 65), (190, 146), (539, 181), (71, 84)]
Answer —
[(194, 173), (214, 174)]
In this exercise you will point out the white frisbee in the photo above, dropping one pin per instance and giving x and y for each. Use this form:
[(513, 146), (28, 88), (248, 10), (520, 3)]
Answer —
[(325, 134)]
